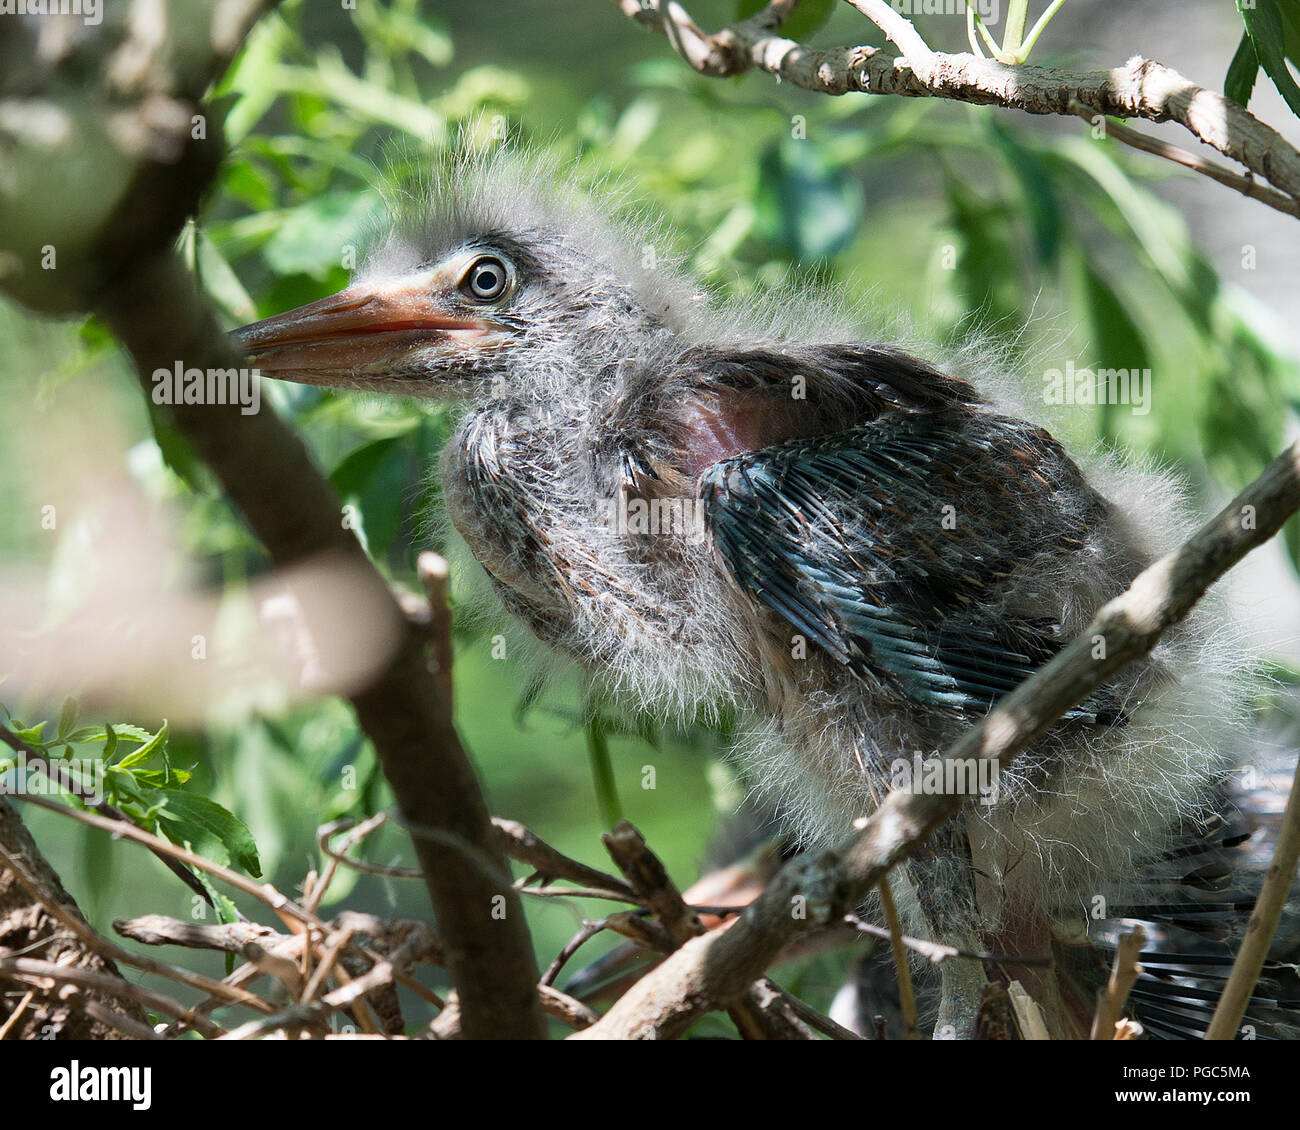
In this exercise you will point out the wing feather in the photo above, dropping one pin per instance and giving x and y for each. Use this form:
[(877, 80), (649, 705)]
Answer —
[(844, 537)]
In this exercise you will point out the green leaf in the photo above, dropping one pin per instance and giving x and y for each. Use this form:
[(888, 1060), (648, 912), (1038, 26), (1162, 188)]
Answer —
[(175, 449), (804, 204), (986, 276), (1159, 230), (124, 730), (1117, 342), (373, 478), (98, 868), (313, 239), (220, 281), (358, 467), (209, 830), (808, 17), (32, 735), (168, 778), (1267, 31), (67, 718), (1242, 72), (1037, 191), (156, 743), (397, 31), (248, 183)]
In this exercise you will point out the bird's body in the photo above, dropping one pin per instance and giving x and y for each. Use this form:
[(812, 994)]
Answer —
[(714, 507)]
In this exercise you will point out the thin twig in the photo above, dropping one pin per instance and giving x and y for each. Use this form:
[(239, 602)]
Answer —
[(1263, 923), (158, 314), (130, 1028), (263, 892), (357, 833), (939, 952), (900, 32), (434, 574), (109, 949), (521, 843), (814, 1019), (1124, 972), (1239, 182), (19, 1009), (565, 1008), (587, 931), (1141, 88), (26, 970), (906, 998), (1029, 1017)]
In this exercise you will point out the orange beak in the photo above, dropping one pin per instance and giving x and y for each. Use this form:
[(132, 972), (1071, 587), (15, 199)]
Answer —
[(389, 335)]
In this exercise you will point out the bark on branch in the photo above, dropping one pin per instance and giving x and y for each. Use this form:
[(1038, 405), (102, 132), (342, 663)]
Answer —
[(1141, 88)]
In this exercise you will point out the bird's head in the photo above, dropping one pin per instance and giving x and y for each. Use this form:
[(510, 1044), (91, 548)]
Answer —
[(493, 279)]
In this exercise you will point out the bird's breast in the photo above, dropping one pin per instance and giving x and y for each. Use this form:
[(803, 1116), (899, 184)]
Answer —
[(501, 489)]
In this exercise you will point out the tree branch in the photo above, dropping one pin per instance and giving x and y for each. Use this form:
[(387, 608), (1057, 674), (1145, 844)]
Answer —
[(1140, 88), (1123, 975), (264, 467)]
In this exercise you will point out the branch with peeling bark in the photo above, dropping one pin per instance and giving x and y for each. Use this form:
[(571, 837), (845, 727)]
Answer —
[(1141, 88), (712, 971)]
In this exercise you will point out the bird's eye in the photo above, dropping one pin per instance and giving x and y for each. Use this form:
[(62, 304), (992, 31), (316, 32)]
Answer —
[(486, 280)]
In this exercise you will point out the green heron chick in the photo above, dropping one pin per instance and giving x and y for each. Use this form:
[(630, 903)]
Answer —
[(747, 506)]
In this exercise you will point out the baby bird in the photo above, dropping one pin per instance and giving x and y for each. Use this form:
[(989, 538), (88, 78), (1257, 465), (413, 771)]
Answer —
[(748, 508)]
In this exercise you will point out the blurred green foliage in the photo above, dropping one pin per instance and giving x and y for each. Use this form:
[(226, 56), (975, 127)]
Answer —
[(963, 220)]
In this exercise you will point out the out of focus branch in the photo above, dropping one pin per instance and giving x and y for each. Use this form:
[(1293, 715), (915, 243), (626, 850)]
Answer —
[(1141, 88), (714, 970)]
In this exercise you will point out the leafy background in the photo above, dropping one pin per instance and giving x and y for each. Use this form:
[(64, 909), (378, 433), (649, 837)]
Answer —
[(1054, 244)]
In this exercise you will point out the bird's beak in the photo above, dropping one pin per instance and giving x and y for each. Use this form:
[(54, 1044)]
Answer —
[(380, 334)]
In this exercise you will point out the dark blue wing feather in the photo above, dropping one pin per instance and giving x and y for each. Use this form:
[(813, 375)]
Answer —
[(845, 537)]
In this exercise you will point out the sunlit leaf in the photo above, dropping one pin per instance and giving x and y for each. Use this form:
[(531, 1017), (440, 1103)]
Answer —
[(317, 233), (209, 829)]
